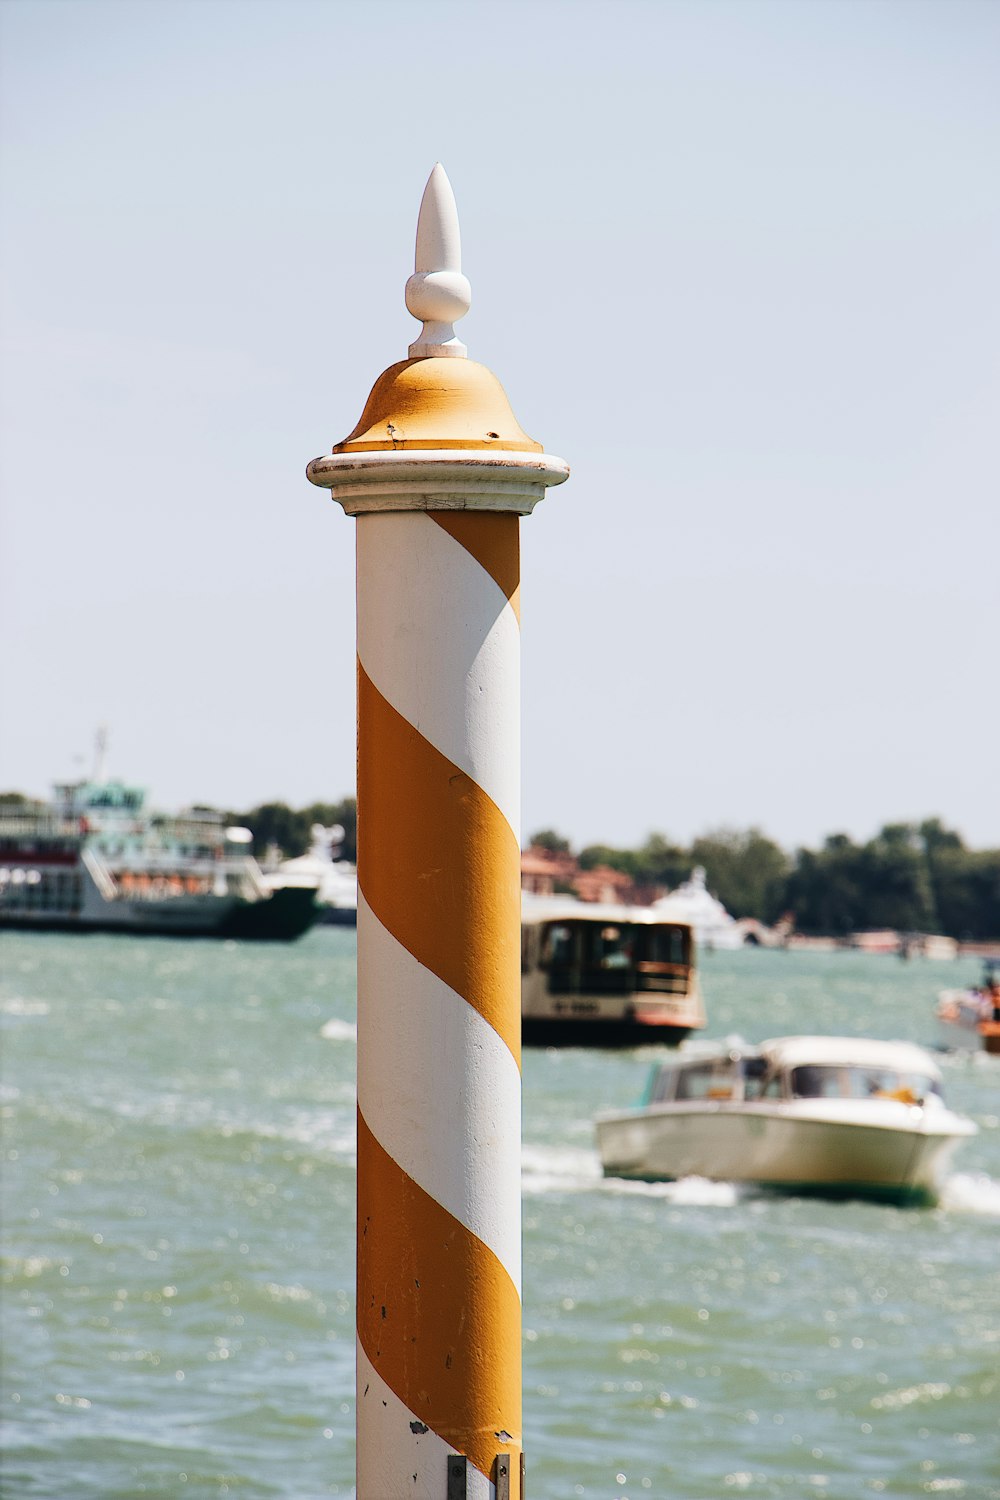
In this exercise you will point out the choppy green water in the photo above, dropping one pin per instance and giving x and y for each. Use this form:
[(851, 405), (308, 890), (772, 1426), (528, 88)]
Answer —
[(177, 1292)]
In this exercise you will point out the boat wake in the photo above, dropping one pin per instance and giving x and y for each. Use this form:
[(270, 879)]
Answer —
[(688, 1192), (577, 1169), (971, 1193), (558, 1169)]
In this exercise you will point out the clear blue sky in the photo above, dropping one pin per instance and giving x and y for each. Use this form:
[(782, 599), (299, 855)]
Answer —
[(736, 261)]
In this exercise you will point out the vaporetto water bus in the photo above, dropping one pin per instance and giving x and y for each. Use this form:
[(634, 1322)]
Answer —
[(96, 860), (605, 975)]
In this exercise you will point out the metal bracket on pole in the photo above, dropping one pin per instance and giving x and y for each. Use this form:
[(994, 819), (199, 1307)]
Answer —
[(458, 1473), (458, 1466)]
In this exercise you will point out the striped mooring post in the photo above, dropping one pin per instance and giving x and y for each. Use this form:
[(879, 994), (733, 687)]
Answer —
[(437, 473)]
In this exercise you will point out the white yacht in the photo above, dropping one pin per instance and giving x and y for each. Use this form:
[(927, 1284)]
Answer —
[(841, 1116), (693, 902), (334, 880)]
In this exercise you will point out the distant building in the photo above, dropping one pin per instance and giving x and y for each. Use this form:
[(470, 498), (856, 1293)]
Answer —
[(602, 883), (546, 872), (553, 872)]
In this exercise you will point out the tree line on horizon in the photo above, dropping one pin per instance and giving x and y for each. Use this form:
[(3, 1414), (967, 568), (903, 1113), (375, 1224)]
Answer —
[(911, 877), (289, 829)]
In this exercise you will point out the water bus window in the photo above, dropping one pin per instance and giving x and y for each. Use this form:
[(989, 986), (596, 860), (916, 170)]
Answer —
[(614, 951), (586, 959), (663, 958), (558, 948), (664, 944)]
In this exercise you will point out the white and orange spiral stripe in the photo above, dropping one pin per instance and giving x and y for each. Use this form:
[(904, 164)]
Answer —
[(439, 1085)]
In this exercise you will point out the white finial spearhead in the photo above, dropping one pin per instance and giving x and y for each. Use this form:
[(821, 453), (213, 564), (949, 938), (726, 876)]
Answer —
[(437, 293)]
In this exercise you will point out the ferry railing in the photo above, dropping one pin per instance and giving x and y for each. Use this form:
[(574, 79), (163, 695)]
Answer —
[(21, 826), (100, 874)]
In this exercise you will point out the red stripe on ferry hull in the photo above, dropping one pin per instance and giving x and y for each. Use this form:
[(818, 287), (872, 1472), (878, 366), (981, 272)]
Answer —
[(37, 857)]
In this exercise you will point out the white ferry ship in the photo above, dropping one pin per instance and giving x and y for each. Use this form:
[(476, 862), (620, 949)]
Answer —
[(96, 860)]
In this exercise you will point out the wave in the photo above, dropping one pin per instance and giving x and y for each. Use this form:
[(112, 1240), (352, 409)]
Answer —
[(558, 1169), (339, 1031), (20, 1005), (329, 1129)]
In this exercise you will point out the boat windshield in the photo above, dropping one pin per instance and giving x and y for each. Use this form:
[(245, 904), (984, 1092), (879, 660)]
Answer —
[(825, 1081), (754, 1074)]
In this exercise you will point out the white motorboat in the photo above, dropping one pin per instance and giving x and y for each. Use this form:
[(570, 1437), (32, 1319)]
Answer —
[(840, 1116)]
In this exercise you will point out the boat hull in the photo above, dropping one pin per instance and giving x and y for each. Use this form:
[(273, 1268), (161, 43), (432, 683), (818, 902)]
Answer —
[(281, 917), (587, 1031), (977, 1036), (900, 1154), (338, 916)]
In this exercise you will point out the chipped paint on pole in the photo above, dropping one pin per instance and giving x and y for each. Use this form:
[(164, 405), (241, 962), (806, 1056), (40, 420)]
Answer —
[(438, 472)]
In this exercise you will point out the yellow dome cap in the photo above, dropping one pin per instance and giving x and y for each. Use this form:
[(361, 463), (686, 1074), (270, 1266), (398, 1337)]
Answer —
[(437, 403)]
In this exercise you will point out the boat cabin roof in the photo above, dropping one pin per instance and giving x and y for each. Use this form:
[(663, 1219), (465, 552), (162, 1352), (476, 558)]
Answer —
[(565, 909), (849, 1051)]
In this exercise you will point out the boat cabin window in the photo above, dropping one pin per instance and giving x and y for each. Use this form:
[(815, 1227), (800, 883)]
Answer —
[(826, 1081), (708, 1080), (589, 957), (614, 948), (662, 958), (558, 948)]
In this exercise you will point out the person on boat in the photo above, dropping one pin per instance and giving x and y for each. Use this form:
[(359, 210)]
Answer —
[(992, 997)]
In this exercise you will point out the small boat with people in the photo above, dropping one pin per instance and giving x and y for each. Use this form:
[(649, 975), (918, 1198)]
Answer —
[(604, 975), (969, 1020), (828, 1115)]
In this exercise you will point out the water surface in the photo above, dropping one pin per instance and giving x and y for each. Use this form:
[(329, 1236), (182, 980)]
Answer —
[(178, 1249)]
